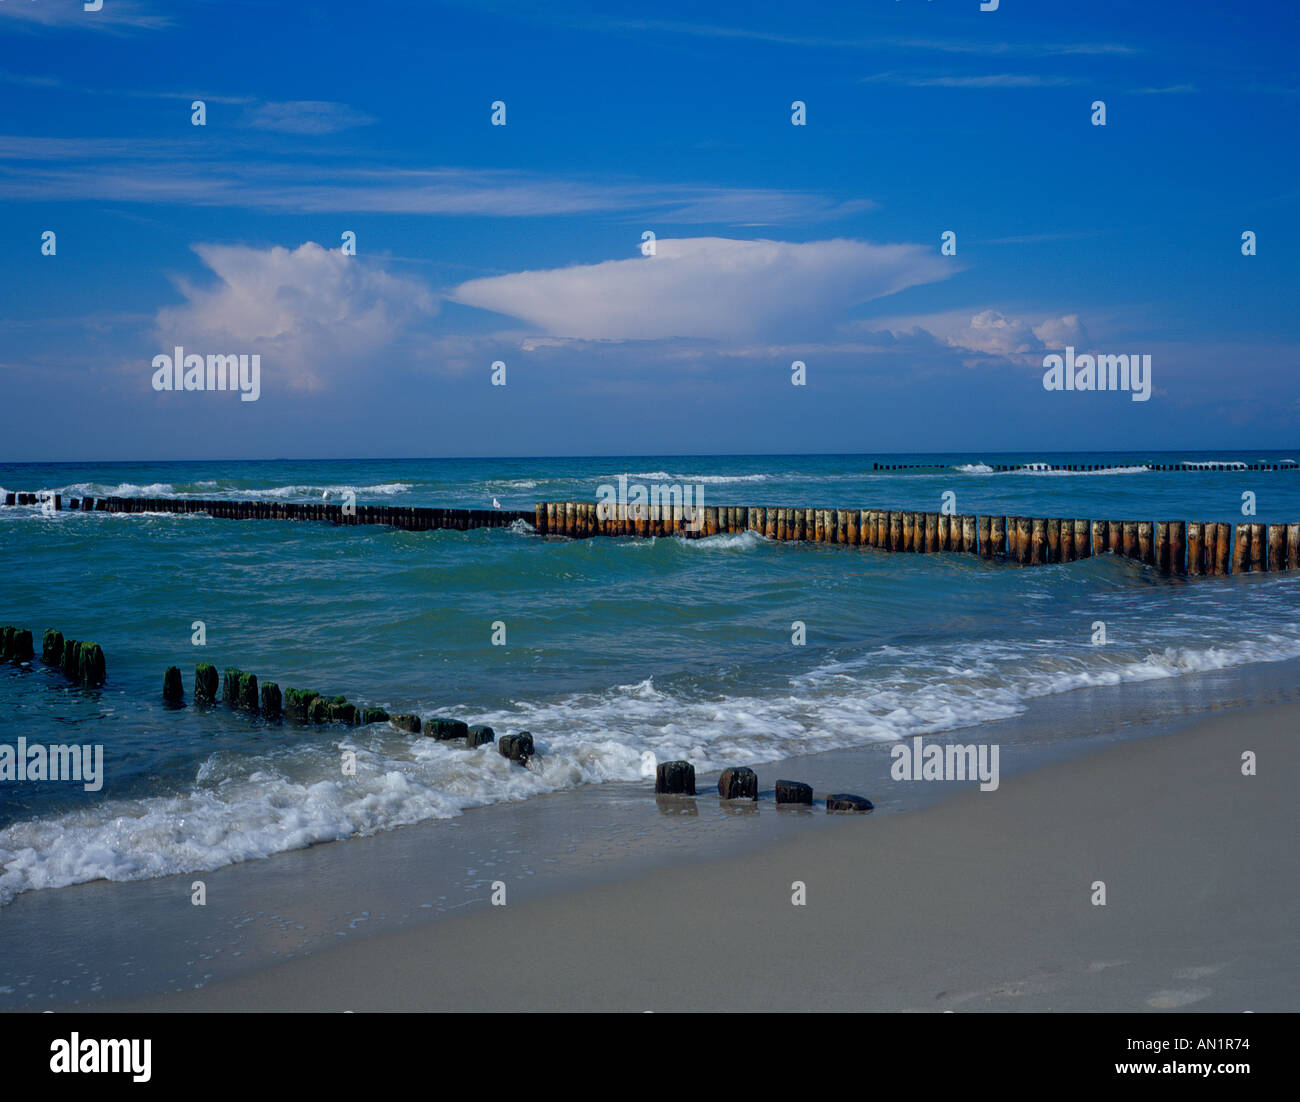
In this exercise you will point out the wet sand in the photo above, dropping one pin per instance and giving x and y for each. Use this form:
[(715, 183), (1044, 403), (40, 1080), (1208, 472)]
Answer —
[(984, 901)]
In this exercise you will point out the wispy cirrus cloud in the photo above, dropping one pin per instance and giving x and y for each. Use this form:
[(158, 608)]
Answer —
[(210, 174), (306, 117), (114, 16)]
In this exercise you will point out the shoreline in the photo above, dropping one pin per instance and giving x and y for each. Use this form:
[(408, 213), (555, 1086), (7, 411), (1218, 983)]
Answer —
[(980, 902), (302, 904)]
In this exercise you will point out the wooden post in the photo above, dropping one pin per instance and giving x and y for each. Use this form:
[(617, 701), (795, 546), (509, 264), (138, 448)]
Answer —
[(1222, 547), (1146, 542), (1277, 547), (1115, 536), (1162, 547), (1068, 550), (1024, 540), (909, 526), (997, 545), (895, 530), (1195, 548), (1241, 549), (1293, 546), (931, 532), (1178, 547), (1130, 539), (1082, 539), (1258, 548), (1100, 536), (854, 527), (1038, 540), (984, 528), (1054, 552), (539, 523), (945, 532)]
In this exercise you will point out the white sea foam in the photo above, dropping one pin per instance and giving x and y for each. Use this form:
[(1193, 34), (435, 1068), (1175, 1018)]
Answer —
[(240, 807)]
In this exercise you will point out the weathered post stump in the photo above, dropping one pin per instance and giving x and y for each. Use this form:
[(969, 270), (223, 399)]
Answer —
[(738, 783), (517, 748), (374, 715), (443, 729), (272, 702), (845, 801), (794, 792), (205, 683), (52, 647), (675, 778), (404, 721), (173, 687), (480, 734), (90, 665), (21, 647)]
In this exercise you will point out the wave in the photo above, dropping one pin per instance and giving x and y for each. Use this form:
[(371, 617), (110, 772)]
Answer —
[(706, 479), (241, 806)]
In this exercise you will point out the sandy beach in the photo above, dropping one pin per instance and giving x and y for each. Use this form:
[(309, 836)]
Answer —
[(982, 902)]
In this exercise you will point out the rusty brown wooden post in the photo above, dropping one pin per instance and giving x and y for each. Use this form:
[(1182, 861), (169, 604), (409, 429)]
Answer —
[(1100, 536), (1054, 552), (997, 537), (1218, 537), (1178, 546), (1195, 548), (1161, 547), (1115, 536), (539, 522), (1241, 549), (1038, 540), (895, 530), (931, 532), (1277, 547), (1082, 539), (1024, 540), (1130, 539), (1146, 542), (1068, 551), (1258, 548), (1293, 546)]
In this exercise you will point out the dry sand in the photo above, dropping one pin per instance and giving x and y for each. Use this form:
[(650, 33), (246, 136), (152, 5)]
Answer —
[(983, 902)]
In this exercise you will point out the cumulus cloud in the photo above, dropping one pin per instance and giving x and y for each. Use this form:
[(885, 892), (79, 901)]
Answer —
[(310, 312), (993, 333), (708, 288)]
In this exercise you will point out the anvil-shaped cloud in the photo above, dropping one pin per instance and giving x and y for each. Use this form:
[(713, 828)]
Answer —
[(708, 288)]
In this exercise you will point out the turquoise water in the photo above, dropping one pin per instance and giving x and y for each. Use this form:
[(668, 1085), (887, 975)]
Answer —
[(614, 648)]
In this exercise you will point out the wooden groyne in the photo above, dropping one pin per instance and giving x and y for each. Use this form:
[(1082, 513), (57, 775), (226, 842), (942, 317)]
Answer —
[(1194, 548), (408, 517), (1170, 546), (1004, 468)]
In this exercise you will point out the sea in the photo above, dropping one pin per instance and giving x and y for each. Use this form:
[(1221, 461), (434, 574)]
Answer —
[(614, 654)]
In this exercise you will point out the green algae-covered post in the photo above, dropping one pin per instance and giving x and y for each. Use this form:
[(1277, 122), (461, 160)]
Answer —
[(173, 687), (230, 686), (374, 715), (205, 683), (90, 665), (248, 692), (298, 704), (443, 729), (518, 748), (318, 711), (405, 721), (21, 647), (480, 735), (272, 706), (52, 647)]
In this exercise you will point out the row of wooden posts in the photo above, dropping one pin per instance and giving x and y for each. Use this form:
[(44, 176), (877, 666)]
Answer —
[(409, 517), (1172, 546), (1191, 468)]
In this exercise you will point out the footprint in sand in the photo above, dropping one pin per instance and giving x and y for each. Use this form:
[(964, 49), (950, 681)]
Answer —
[(1172, 1000)]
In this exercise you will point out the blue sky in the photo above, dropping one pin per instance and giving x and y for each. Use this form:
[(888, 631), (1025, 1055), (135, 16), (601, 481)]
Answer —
[(521, 243)]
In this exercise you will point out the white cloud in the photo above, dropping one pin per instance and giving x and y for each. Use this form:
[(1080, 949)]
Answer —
[(306, 117), (309, 311), (991, 332), (115, 15), (708, 287)]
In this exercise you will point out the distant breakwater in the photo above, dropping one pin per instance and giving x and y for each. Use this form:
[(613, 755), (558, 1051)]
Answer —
[(1178, 547)]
